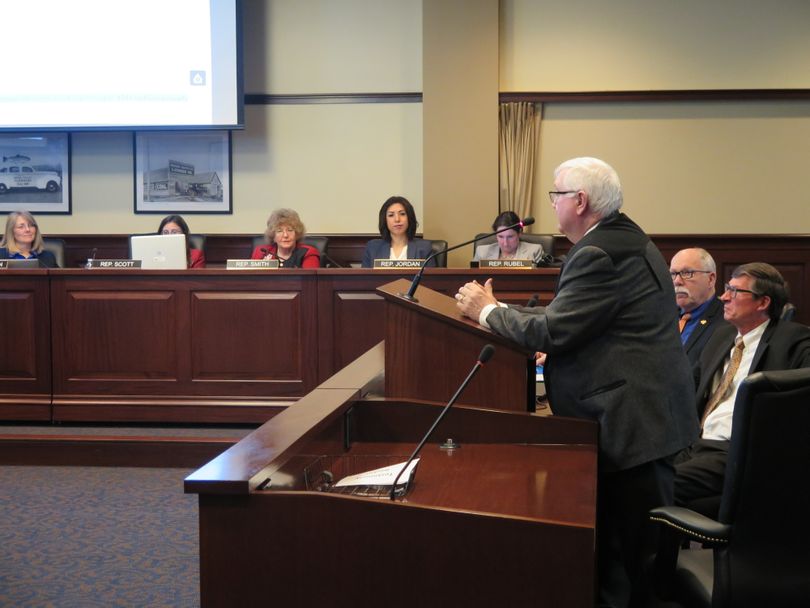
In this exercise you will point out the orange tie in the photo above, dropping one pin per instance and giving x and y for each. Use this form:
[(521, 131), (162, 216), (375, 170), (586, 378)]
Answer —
[(684, 320), (725, 382)]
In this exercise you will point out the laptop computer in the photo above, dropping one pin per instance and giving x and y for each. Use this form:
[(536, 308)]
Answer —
[(26, 263), (160, 251)]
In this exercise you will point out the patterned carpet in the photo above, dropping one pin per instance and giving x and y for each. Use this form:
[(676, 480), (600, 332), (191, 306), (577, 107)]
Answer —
[(94, 536)]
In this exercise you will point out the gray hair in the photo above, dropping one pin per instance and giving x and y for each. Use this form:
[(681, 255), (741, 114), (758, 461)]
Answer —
[(598, 179)]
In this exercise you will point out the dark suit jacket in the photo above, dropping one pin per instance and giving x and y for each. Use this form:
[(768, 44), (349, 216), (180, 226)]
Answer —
[(614, 352), (784, 345), (713, 317), (46, 258), (380, 249)]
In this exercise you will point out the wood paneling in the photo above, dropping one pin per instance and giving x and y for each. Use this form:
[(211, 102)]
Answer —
[(152, 342), (25, 345)]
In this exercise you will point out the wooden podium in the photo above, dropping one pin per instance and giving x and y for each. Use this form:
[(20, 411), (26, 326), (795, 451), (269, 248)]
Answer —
[(506, 519), (430, 348)]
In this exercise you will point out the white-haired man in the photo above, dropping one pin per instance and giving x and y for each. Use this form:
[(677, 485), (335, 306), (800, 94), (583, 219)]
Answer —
[(694, 275), (613, 356)]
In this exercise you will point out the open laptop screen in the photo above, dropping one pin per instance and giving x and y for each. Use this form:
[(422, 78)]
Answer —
[(160, 251)]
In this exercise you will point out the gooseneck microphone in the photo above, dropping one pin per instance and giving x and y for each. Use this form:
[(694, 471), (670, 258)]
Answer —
[(486, 355), (528, 221)]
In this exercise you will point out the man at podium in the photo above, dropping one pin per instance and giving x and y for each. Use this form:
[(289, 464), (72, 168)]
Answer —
[(613, 356)]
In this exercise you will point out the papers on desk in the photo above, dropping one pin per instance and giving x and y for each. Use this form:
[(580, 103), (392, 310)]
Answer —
[(379, 477)]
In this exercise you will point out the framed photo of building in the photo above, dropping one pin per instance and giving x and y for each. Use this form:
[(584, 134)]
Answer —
[(35, 172), (182, 172)]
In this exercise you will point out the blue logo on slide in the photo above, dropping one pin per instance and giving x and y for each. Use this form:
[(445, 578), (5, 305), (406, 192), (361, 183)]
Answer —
[(197, 78)]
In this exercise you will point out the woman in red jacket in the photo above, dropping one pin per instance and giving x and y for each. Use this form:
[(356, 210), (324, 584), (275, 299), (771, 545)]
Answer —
[(174, 224), (284, 230)]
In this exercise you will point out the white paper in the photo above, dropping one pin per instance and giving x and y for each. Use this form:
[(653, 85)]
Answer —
[(379, 477)]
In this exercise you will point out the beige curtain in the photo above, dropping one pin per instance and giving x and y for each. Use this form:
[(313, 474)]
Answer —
[(519, 131)]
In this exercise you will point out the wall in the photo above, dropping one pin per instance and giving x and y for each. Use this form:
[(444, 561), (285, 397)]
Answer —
[(687, 167), (335, 164)]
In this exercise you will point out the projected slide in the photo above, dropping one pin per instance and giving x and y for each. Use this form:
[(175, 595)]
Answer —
[(96, 63)]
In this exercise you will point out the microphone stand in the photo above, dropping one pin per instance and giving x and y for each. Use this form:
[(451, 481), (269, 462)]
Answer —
[(418, 278), (486, 355)]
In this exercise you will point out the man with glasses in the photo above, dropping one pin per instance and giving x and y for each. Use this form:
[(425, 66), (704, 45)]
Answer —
[(614, 357), (694, 275), (755, 340)]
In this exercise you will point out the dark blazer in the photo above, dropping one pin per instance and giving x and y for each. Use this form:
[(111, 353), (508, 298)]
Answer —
[(713, 317), (46, 258), (377, 249), (784, 345), (614, 352)]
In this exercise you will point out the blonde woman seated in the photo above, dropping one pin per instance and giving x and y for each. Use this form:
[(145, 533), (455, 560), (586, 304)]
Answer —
[(508, 246), (284, 230), (23, 241)]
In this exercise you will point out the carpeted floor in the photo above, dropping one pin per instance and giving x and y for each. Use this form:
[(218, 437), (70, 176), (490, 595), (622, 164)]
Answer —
[(95, 536)]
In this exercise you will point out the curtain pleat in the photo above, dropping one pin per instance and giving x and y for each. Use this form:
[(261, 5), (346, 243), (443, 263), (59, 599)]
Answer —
[(519, 131)]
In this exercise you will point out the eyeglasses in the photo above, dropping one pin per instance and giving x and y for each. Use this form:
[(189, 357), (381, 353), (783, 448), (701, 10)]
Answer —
[(686, 274), (285, 230), (735, 290), (555, 195)]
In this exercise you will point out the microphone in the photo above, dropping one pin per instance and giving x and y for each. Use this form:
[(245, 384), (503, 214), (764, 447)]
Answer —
[(528, 221), (89, 263), (533, 301), (486, 355), (330, 260)]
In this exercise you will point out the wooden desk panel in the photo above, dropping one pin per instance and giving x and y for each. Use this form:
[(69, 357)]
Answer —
[(352, 315), (25, 345), (173, 345)]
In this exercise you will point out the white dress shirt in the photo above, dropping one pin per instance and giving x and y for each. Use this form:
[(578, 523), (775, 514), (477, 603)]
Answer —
[(718, 423)]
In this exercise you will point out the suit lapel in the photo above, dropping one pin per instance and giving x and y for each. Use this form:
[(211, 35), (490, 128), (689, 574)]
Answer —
[(763, 347)]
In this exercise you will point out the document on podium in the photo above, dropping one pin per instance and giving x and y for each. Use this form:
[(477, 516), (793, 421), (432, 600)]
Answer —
[(377, 482)]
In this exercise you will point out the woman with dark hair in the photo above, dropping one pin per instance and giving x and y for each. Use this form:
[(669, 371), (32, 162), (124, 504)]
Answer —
[(397, 225), (508, 245), (175, 224), (284, 230), (22, 240)]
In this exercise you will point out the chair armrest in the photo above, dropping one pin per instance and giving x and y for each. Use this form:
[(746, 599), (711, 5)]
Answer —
[(679, 524), (693, 525)]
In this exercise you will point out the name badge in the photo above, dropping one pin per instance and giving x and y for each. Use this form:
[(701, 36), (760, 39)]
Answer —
[(521, 264), (251, 264), (113, 264), (398, 263)]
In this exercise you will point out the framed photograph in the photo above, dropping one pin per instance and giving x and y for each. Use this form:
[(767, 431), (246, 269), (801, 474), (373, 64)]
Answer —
[(182, 172), (35, 172)]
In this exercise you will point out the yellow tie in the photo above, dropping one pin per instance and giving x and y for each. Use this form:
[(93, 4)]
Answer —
[(725, 382), (684, 320)]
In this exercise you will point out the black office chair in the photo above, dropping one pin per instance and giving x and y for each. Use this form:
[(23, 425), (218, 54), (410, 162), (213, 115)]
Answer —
[(788, 312), (546, 240), (197, 241), (57, 248), (321, 243), (439, 246), (758, 551)]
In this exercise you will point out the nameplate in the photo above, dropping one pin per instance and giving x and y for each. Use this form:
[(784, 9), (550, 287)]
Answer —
[(398, 263), (523, 264), (3, 263), (251, 264), (113, 264)]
